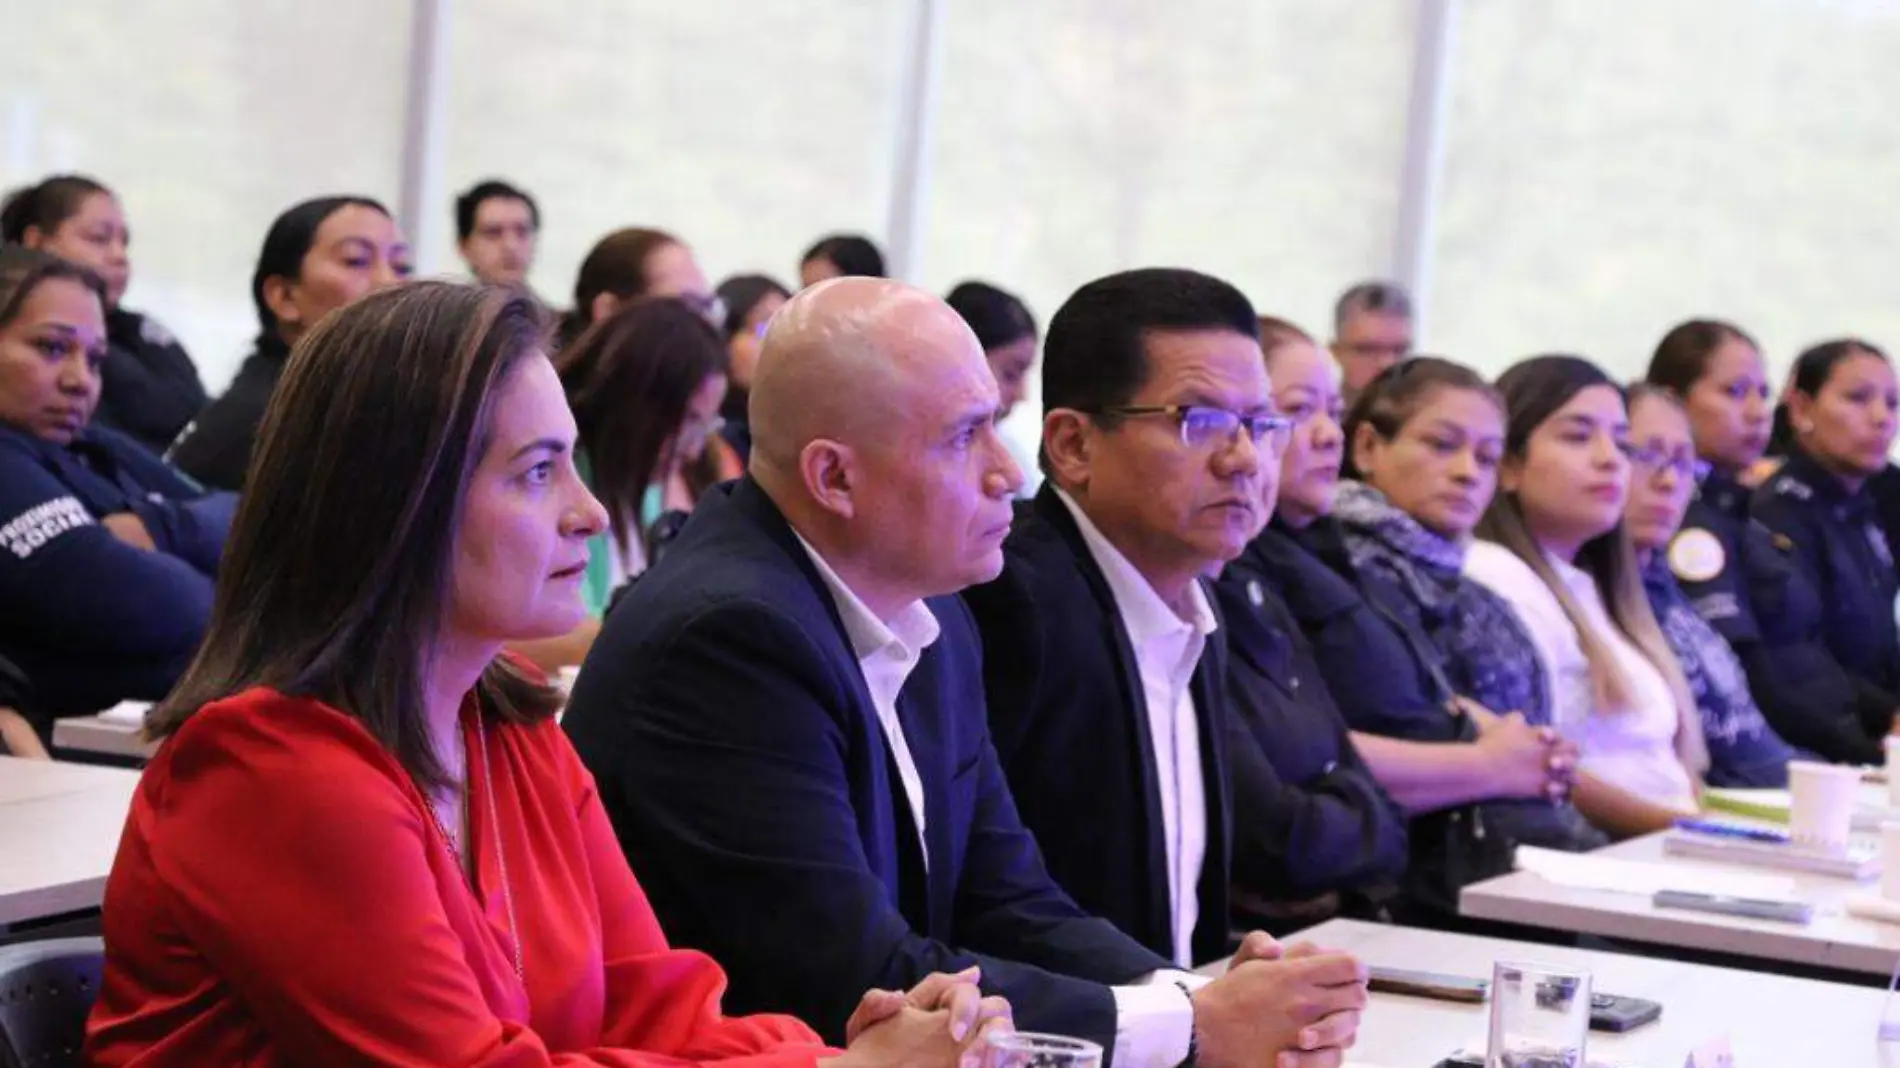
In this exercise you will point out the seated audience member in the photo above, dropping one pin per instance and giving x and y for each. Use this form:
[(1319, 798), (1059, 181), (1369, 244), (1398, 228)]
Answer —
[(750, 301), (1162, 454), (352, 772), (151, 387), (1743, 750), (107, 556), (1474, 784), (786, 721), (633, 263), (840, 256), (1818, 509), (645, 385), (1555, 547), (1740, 578), (317, 257), (1007, 332), (1372, 330), (496, 227)]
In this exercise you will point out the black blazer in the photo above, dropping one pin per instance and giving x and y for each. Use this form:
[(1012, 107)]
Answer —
[(1313, 820), (1071, 726), (741, 761)]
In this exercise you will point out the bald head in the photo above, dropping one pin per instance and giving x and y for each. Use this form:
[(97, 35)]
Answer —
[(844, 361)]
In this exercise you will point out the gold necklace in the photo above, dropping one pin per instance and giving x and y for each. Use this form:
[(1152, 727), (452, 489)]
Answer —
[(501, 853)]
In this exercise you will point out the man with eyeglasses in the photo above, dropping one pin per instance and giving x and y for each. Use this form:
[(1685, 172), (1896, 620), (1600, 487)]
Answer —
[(1372, 330), (785, 722), (1103, 654)]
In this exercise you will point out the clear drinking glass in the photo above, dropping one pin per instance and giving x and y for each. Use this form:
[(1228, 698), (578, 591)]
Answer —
[(1540, 1016), (1022, 1049)]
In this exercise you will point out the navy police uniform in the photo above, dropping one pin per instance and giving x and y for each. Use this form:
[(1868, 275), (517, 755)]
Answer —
[(90, 620), (1841, 578), (216, 448)]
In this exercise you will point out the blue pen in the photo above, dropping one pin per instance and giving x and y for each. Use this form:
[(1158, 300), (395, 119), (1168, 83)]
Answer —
[(1730, 830)]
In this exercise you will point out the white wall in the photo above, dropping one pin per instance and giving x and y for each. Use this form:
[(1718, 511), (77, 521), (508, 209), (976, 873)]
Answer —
[(1608, 168)]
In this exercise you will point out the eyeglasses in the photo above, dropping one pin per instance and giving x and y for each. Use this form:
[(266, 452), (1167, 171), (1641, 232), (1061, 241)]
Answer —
[(1655, 459), (1204, 427)]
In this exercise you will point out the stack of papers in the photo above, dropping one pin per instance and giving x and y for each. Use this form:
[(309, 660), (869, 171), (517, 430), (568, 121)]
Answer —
[(1587, 871)]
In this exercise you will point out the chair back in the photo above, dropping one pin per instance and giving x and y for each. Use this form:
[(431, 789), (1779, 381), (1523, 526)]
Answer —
[(46, 992)]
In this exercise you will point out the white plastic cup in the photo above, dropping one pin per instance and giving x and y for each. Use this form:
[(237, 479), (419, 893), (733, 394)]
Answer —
[(1824, 796)]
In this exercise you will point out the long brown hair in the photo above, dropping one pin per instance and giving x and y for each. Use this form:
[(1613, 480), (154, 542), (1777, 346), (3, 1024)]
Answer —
[(1533, 391), (336, 575), (628, 379)]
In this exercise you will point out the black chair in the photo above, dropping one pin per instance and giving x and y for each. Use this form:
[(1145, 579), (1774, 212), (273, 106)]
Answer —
[(46, 991)]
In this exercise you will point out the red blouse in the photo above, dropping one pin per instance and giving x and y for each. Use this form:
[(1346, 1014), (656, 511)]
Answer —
[(282, 896)]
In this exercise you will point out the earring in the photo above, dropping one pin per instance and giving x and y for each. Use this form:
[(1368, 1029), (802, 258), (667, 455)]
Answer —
[(1804, 426)]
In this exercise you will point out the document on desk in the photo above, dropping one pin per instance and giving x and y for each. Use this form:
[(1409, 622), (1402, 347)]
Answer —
[(1586, 871)]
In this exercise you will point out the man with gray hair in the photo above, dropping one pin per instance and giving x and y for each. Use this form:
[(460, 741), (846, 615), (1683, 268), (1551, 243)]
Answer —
[(1372, 330)]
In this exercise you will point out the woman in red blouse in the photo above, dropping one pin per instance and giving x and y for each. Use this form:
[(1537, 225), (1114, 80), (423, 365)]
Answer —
[(364, 839)]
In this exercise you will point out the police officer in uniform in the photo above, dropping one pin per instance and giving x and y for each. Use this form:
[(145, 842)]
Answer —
[(1745, 577), (107, 556)]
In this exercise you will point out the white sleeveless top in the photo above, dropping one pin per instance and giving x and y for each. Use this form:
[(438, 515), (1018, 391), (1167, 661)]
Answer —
[(1632, 748)]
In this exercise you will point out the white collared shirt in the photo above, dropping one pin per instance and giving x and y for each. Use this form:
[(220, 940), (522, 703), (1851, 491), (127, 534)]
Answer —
[(887, 654), (1168, 648), (1154, 1020)]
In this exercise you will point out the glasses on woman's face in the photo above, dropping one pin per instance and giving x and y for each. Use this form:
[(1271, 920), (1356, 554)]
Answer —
[(1653, 459), (1205, 427)]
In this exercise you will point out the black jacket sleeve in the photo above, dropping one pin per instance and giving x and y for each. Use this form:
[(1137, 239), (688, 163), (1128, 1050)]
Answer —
[(723, 766), (151, 388)]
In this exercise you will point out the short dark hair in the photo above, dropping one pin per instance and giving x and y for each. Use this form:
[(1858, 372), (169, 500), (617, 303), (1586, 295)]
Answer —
[(996, 316), (23, 269), (1682, 356), (1096, 355), (44, 206), (1378, 296), (741, 293), (288, 241), (469, 205), (852, 254), (336, 576)]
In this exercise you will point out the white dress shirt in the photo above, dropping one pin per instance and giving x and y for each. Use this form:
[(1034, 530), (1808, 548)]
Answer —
[(1168, 648), (1633, 748), (887, 653), (1154, 1019)]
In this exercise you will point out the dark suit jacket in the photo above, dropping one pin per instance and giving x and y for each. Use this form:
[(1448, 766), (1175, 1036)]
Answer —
[(1312, 820), (1071, 726), (739, 756)]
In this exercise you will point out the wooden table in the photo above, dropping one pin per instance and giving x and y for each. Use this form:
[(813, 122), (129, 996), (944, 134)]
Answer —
[(59, 830), (1834, 940), (1772, 1021), (94, 734)]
